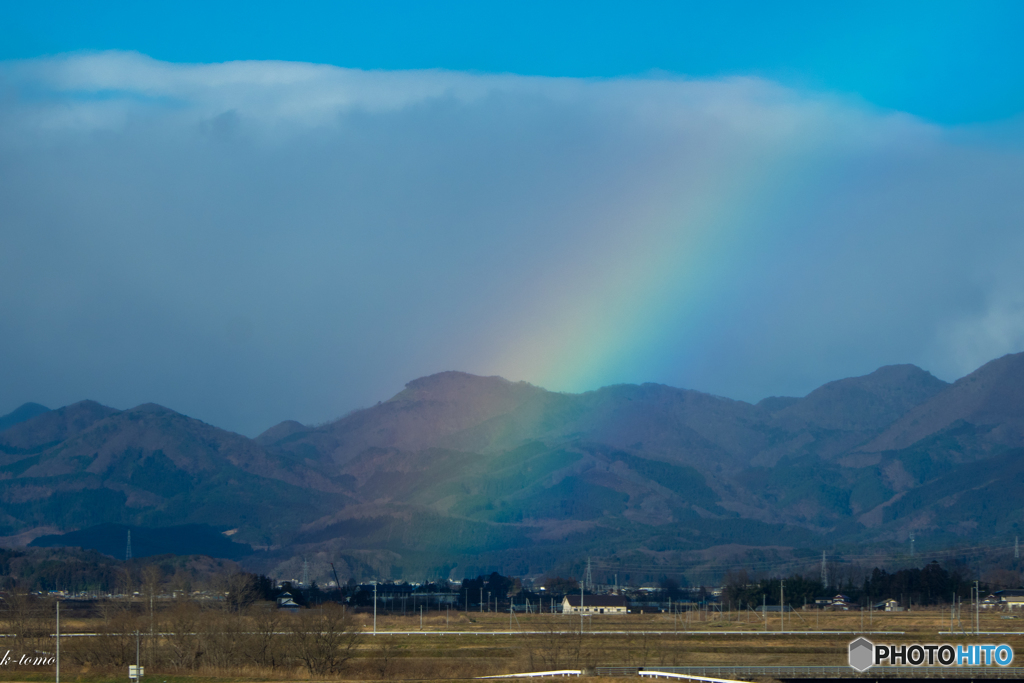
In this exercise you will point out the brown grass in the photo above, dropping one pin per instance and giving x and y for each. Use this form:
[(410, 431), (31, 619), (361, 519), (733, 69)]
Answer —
[(546, 641)]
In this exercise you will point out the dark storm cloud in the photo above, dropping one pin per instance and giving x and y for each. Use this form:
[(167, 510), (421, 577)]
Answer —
[(255, 241)]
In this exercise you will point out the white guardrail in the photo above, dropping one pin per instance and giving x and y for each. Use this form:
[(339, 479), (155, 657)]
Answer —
[(539, 674), (666, 674)]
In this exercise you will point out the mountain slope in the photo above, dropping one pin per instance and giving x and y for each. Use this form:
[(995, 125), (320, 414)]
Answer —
[(865, 403), (617, 465), (52, 427), (991, 396), (151, 466), (480, 472), (20, 414)]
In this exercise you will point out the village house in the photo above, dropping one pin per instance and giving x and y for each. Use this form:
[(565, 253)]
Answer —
[(991, 602), (842, 603), (595, 604), (1011, 598), (889, 605)]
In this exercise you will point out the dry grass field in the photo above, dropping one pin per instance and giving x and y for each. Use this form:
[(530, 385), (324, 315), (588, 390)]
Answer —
[(212, 645)]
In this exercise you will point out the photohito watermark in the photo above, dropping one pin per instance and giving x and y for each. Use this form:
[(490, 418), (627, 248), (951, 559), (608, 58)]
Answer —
[(864, 654)]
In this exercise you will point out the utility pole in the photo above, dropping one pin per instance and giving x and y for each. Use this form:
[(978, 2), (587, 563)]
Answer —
[(136, 675), (375, 608), (481, 599), (581, 608), (977, 607), (782, 605), (58, 641)]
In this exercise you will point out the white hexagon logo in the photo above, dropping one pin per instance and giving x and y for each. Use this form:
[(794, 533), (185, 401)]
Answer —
[(862, 654)]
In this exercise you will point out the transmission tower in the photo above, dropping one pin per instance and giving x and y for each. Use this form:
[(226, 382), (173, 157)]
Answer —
[(128, 550), (824, 574), (305, 572), (911, 543), (588, 579)]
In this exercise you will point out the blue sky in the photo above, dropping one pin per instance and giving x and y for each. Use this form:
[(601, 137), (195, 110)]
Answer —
[(951, 62), (748, 199)]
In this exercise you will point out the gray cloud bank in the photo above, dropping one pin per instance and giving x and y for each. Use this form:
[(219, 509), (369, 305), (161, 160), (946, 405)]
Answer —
[(254, 241)]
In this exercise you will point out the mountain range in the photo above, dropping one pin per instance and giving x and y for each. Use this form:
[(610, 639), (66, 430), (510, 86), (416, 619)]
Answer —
[(460, 474)]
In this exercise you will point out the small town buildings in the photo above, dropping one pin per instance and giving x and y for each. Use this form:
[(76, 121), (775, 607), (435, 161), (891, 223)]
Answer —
[(1011, 598), (889, 605), (287, 601), (594, 604), (991, 602), (842, 603)]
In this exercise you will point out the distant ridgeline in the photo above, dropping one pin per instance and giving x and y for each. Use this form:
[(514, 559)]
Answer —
[(459, 475), (112, 539)]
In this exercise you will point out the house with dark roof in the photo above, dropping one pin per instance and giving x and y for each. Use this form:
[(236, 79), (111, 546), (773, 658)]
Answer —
[(1012, 598), (594, 604)]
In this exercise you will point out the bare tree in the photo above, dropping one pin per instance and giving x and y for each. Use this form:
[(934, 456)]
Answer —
[(261, 644), (115, 643), (242, 590), (384, 659), (16, 615), (324, 639), (552, 650), (184, 643), (26, 618)]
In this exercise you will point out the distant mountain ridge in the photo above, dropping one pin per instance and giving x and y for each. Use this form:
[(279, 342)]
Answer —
[(459, 473), (26, 411)]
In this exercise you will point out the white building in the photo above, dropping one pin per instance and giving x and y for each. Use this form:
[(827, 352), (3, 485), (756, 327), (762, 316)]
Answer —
[(594, 604)]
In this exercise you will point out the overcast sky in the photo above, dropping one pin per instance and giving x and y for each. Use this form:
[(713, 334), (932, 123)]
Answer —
[(252, 241)]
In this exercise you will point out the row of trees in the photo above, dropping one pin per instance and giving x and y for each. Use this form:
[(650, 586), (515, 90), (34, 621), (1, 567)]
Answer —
[(928, 585)]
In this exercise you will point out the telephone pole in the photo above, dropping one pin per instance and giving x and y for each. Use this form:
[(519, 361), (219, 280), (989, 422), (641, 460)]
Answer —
[(977, 607), (58, 641), (782, 605)]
